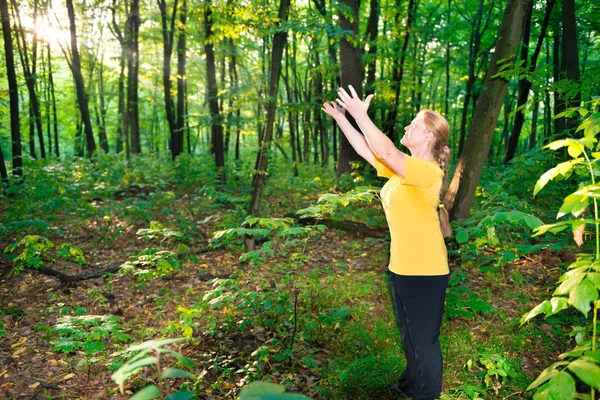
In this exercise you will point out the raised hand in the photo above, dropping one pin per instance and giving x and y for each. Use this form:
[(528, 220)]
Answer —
[(352, 103), (333, 110)]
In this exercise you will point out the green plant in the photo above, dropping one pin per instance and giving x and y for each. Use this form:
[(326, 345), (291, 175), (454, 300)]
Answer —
[(268, 391), (88, 333), (151, 263), (151, 354), (494, 368), (580, 284), (159, 231), (37, 250)]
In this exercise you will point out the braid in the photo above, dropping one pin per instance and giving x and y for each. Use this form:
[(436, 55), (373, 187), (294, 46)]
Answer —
[(443, 161)]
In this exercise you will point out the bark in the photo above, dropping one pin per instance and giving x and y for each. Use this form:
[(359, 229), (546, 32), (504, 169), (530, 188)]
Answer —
[(3, 171), (525, 83), (351, 73), (102, 110), (570, 56), (82, 99), (122, 139), (468, 171), (372, 25), (133, 66), (168, 29), (13, 91), (29, 71), (216, 125), (262, 159), (474, 49)]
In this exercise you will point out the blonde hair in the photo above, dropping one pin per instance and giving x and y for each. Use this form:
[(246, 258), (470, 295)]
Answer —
[(440, 128)]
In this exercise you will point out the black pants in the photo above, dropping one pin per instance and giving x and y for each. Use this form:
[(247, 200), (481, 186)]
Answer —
[(419, 303)]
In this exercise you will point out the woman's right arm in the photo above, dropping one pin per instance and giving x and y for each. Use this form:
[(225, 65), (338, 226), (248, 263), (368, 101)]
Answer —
[(355, 138)]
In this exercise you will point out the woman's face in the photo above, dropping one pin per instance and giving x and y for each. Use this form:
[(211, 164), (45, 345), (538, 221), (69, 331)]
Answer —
[(415, 134)]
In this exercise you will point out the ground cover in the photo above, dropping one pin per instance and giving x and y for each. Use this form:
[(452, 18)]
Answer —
[(310, 309)]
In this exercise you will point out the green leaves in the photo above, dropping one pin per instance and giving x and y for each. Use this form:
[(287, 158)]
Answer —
[(140, 360), (268, 391), (579, 286)]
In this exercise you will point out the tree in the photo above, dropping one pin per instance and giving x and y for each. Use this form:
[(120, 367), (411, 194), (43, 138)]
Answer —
[(464, 183), (82, 99), (29, 70), (478, 28), (526, 81), (216, 126), (351, 73), (168, 30), (262, 158), (13, 90), (133, 68)]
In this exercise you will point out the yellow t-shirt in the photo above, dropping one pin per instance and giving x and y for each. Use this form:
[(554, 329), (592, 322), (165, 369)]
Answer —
[(411, 209)]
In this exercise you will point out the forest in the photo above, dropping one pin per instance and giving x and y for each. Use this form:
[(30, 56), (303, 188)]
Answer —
[(179, 219)]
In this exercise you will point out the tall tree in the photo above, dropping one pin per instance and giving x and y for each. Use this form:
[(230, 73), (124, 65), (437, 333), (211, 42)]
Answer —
[(468, 171), (389, 126), (180, 116), (478, 28), (351, 73), (29, 70), (262, 158), (168, 31), (13, 90), (570, 56), (216, 125), (133, 68), (82, 99), (525, 82)]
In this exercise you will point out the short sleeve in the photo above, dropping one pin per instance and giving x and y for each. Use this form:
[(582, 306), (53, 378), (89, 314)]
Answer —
[(382, 168), (421, 172)]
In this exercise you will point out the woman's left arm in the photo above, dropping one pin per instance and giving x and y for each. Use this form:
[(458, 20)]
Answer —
[(381, 145)]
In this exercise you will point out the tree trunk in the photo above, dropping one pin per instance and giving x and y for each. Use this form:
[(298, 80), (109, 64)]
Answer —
[(176, 138), (262, 159), (474, 45), (468, 171), (559, 101), (102, 109), (29, 71), (133, 67), (53, 100), (82, 99), (216, 125), (13, 91), (351, 73), (570, 57), (398, 69), (3, 171), (525, 83), (122, 126), (371, 33)]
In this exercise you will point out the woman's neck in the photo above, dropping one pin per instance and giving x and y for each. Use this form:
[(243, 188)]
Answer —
[(422, 153)]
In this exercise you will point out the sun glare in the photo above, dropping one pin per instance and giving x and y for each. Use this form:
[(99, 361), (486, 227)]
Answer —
[(50, 32)]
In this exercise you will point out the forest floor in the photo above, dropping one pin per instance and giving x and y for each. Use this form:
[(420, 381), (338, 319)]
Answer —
[(225, 346)]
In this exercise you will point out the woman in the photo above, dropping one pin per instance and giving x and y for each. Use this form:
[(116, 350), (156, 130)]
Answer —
[(418, 223)]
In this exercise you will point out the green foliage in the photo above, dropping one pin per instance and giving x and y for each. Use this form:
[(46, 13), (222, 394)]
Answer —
[(494, 368), (159, 231), (88, 333), (151, 354), (152, 263), (268, 391), (37, 250), (580, 285)]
